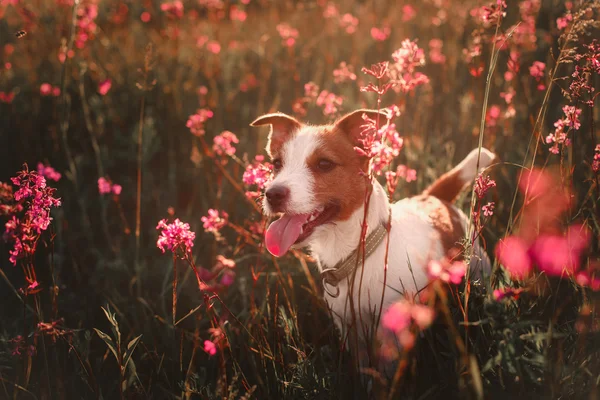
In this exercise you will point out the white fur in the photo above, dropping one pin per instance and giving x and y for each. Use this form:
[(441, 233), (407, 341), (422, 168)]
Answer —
[(295, 174)]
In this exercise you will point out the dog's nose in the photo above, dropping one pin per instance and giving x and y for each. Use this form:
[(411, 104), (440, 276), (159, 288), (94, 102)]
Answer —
[(277, 196)]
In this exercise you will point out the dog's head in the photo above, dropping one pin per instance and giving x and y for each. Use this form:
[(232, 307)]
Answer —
[(317, 176)]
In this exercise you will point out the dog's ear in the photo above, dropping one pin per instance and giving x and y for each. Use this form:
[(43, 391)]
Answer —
[(282, 127), (353, 124)]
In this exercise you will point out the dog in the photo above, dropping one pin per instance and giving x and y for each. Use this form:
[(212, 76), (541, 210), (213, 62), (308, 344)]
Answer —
[(319, 191)]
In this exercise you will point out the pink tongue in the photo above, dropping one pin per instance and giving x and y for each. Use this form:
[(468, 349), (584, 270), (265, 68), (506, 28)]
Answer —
[(284, 232)]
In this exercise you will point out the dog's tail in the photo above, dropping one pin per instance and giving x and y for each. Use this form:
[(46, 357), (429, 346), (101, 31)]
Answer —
[(448, 186)]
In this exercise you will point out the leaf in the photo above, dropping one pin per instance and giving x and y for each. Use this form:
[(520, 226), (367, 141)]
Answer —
[(109, 342), (130, 348), (113, 321)]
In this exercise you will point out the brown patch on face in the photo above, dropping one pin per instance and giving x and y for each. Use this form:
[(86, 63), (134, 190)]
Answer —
[(343, 184), (445, 220), (447, 187)]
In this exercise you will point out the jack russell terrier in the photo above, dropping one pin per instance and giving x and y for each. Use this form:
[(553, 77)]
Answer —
[(320, 192)]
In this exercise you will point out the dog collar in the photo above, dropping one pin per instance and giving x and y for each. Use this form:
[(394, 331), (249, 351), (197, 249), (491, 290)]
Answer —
[(333, 276)]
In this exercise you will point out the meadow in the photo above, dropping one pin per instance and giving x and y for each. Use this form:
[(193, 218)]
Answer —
[(132, 259)]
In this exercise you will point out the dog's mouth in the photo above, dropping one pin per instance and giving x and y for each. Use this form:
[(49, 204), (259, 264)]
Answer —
[(290, 229)]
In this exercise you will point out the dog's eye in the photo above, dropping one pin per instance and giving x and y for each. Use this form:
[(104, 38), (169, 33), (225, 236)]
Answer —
[(277, 164), (325, 165)]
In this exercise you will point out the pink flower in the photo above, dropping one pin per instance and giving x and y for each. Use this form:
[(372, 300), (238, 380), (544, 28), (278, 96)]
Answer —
[(174, 236), (7, 97), (214, 221), (173, 9), (483, 184), (537, 69), (512, 253), (104, 186), (488, 209), (397, 317), (343, 73), (435, 51), (210, 347), (349, 23), (196, 121), (288, 34), (146, 17), (446, 270), (34, 196), (500, 294), (48, 172), (493, 115), (380, 35), (223, 143), (563, 22), (329, 102), (422, 315), (116, 189), (258, 173), (228, 278), (403, 72), (104, 86), (45, 89), (556, 255), (408, 13)]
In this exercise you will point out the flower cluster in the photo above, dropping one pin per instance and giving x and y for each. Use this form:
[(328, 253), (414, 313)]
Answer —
[(552, 254), (537, 72), (86, 25), (47, 89), (562, 128), (214, 221), (329, 102), (380, 145), (106, 186), (447, 270), (288, 34), (343, 73), (104, 86), (403, 71), (541, 242), (36, 199), (258, 174), (196, 121), (223, 144), (483, 183), (174, 236), (402, 316), (173, 9), (48, 172)]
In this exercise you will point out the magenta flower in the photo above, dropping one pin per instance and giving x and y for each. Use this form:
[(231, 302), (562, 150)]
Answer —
[(173, 9), (512, 253), (401, 315), (196, 121), (258, 173), (36, 199), (488, 209), (500, 294), (215, 220), (483, 184), (343, 73), (288, 34), (224, 143), (537, 70), (403, 71), (446, 270), (397, 317), (105, 186), (48, 172), (45, 89), (210, 347), (174, 236), (552, 254), (104, 87)]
